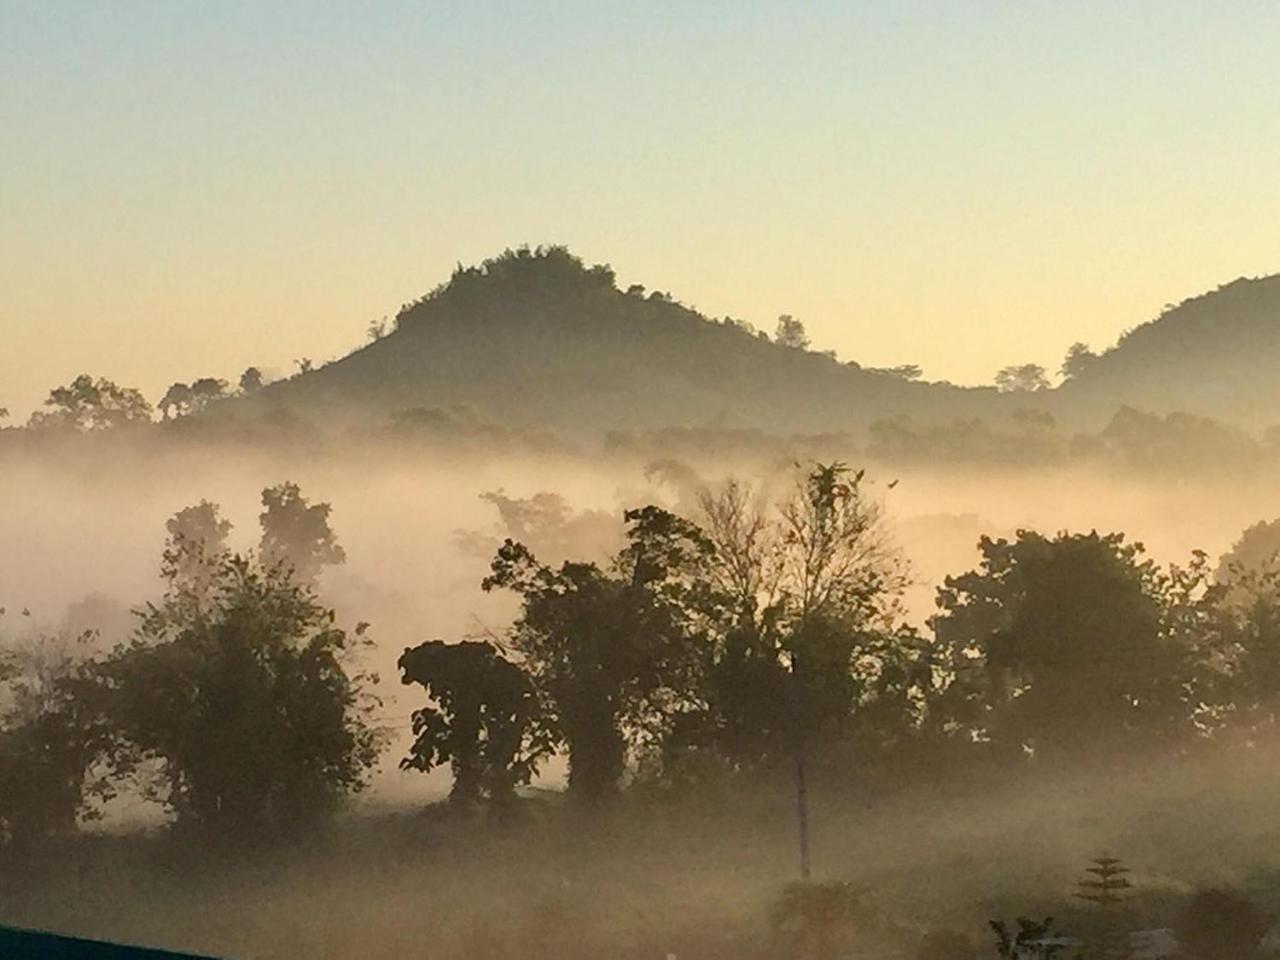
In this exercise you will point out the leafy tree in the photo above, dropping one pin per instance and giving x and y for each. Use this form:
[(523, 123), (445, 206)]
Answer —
[(790, 332), (245, 703), (176, 401), (1025, 377), (296, 533), (1240, 623), (606, 646), (1149, 443), (206, 390), (51, 740), (1067, 643), (1078, 359), (194, 550), (1221, 924), (1256, 552), (547, 525), (804, 623), (484, 721), (86, 404), (251, 381)]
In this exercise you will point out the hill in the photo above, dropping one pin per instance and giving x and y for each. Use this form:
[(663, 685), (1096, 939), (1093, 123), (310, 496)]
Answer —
[(537, 339), (1215, 355)]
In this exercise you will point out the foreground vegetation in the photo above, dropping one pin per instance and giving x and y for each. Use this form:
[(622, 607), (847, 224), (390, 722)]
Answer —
[(726, 652)]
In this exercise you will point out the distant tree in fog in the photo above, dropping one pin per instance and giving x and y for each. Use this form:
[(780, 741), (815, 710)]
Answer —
[(246, 704), (195, 548), (1026, 377), (182, 399), (790, 332), (296, 533), (206, 390), (1078, 359), (484, 720), (547, 525), (251, 381), (87, 404), (1257, 551), (176, 401)]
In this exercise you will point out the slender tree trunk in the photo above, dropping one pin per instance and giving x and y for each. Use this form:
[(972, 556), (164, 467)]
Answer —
[(802, 787), (802, 812)]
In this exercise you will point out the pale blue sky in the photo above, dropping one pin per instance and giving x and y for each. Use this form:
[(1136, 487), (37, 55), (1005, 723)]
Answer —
[(188, 188)]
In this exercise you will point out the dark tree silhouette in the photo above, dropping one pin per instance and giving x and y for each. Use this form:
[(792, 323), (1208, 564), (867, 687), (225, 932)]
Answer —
[(1078, 359), (247, 704), (176, 401), (251, 381), (484, 720), (194, 550), (804, 612), (1257, 552), (205, 391), (296, 533), (790, 332), (1069, 643), (51, 739), (1025, 377), (605, 644), (87, 404)]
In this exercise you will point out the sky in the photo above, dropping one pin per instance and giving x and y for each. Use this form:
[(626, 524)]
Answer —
[(187, 189)]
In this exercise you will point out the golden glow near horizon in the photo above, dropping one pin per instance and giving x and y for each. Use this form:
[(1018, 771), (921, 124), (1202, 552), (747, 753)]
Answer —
[(187, 190)]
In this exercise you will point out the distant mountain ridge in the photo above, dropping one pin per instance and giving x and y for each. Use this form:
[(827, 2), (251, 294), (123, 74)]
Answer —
[(538, 339), (1217, 354)]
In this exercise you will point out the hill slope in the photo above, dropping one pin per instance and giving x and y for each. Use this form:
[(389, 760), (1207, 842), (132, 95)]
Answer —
[(537, 339), (1217, 354)]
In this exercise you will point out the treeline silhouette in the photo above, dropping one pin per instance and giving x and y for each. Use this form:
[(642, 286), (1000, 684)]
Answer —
[(746, 637), (1133, 442), (724, 645)]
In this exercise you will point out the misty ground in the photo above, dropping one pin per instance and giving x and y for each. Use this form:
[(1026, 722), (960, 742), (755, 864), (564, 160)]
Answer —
[(692, 877)]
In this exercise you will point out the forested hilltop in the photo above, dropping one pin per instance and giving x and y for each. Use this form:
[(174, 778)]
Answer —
[(1215, 354), (537, 349), (536, 338)]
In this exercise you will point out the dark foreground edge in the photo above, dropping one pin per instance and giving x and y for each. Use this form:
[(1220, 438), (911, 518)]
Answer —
[(16, 944)]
